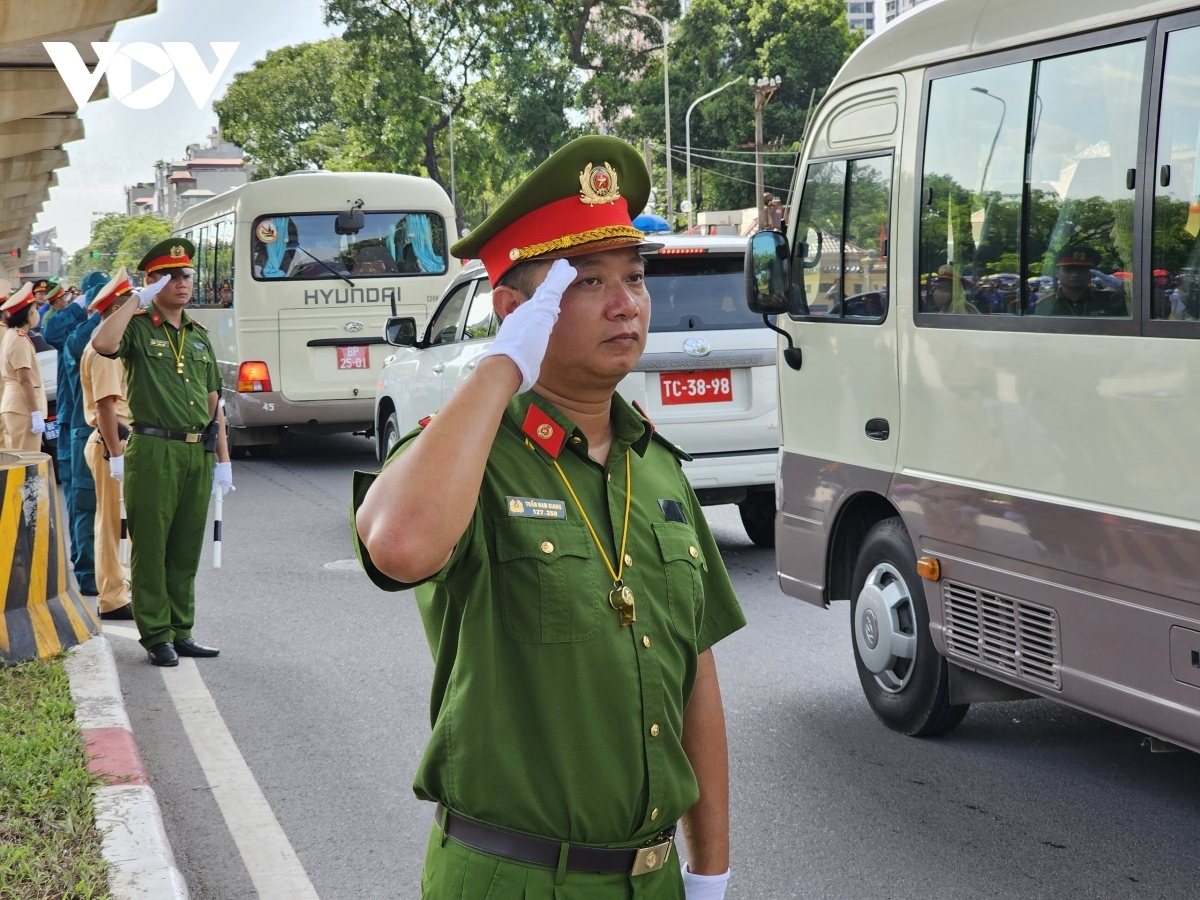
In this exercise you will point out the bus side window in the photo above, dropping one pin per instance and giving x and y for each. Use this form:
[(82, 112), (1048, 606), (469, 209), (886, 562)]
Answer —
[(868, 205), (1175, 273), (819, 241), (970, 250)]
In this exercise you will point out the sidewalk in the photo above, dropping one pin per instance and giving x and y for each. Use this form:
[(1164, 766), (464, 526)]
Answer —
[(142, 866)]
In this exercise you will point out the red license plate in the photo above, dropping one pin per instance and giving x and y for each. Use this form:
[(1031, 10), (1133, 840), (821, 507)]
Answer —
[(713, 386), (354, 357)]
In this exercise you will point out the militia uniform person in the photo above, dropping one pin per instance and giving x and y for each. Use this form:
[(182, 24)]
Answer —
[(105, 409), (1075, 295), (23, 404), (73, 474), (569, 585), (177, 424)]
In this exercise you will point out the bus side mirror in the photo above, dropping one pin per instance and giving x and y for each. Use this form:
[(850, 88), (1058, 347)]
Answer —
[(401, 331), (768, 275)]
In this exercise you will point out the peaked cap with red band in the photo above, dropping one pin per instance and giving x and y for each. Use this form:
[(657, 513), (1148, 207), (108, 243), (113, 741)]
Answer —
[(580, 200), (22, 298), (118, 286), (173, 253), (1079, 256)]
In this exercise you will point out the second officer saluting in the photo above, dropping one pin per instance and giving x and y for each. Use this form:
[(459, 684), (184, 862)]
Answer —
[(177, 425)]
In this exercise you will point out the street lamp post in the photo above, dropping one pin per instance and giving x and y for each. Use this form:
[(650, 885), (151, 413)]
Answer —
[(665, 26), (764, 88), (687, 120), (1003, 112), (450, 115)]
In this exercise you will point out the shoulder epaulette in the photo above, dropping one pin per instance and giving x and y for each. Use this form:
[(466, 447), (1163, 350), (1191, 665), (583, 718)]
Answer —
[(197, 324), (139, 312), (680, 453)]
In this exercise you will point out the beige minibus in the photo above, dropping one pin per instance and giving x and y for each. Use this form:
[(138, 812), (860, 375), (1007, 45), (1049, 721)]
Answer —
[(990, 417), (295, 278)]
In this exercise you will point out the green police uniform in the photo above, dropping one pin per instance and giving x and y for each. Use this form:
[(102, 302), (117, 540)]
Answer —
[(170, 373), (549, 717)]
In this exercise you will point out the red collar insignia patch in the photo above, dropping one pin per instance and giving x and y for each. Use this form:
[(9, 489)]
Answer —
[(543, 431), (156, 318)]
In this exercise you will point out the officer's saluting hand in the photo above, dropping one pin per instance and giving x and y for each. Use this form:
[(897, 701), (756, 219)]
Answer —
[(177, 428), (568, 582)]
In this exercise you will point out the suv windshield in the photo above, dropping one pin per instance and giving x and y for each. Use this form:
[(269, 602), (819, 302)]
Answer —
[(698, 292), (390, 243)]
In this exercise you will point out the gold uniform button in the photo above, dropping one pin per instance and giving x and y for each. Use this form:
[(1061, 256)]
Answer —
[(693, 552), (654, 814), (547, 547), (654, 730), (576, 440), (191, 403), (187, 381), (628, 560), (160, 353), (646, 641)]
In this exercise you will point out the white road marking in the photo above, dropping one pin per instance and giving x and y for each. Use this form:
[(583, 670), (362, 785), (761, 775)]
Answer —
[(274, 868), (343, 565)]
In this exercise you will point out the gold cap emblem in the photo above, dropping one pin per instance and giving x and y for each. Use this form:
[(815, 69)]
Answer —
[(177, 251), (598, 184), (514, 253), (545, 431)]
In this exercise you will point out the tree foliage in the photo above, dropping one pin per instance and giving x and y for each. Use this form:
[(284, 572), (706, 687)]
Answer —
[(521, 77), (119, 240)]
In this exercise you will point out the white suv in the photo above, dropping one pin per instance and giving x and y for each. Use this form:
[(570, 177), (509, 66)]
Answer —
[(706, 379)]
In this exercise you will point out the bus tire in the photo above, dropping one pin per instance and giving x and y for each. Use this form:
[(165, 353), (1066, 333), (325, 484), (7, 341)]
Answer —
[(391, 435), (905, 680), (758, 517)]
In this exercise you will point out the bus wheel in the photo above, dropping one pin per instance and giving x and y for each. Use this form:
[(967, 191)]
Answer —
[(391, 436), (758, 517), (905, 680)]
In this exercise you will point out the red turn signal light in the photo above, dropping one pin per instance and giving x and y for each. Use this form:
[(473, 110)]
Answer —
[(682, 251), (253, 377), (929, 568)]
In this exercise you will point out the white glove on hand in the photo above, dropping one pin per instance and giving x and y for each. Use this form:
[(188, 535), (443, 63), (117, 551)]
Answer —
[(150, 291), (116, 467), (704, 887), (39, 424), (525, 333), (223, 478)]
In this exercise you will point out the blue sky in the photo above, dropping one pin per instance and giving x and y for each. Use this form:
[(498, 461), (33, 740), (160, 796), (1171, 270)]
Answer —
[(121, 145)]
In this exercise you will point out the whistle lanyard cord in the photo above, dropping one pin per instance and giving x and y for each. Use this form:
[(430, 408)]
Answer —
[(620, 567)]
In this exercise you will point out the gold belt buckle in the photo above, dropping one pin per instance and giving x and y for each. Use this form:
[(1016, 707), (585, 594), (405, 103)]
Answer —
[(652, 858), (192, 438)]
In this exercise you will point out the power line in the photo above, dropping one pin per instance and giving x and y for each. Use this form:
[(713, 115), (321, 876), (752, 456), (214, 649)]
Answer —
[(783, 190), (736, 162), (744, 152)]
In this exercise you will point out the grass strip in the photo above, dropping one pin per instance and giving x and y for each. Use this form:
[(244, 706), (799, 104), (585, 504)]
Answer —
[(49, 845)]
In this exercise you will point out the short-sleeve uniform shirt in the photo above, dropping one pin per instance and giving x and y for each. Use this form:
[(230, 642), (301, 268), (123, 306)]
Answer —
[(100, 377), (549, 717), (17, 352), (159, 395)]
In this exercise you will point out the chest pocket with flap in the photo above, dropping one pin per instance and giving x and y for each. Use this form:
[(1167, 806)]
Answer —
[(545, 587), (683, 562)]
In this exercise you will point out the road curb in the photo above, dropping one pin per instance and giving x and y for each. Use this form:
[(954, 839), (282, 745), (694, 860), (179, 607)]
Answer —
[(141, 865)]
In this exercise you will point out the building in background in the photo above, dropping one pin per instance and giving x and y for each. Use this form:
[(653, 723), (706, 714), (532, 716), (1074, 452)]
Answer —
[(861, 14), (139, 198), (896, 8), (44, 257), (206, 171)]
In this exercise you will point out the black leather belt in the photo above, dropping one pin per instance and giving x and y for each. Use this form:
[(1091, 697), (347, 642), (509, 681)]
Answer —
[(544, 852), (186, 437)]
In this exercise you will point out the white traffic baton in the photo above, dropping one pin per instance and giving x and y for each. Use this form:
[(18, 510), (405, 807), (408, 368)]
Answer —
[(217, 513), (124, 546)]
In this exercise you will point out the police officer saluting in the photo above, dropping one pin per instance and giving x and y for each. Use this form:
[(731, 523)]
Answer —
[(177, 424), (569, 585)]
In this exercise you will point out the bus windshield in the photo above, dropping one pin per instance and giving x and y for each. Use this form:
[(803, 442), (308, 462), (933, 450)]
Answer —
[(390, 244)]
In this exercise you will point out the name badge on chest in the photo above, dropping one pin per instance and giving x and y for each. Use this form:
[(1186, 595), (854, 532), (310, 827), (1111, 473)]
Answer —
[(536, 508)]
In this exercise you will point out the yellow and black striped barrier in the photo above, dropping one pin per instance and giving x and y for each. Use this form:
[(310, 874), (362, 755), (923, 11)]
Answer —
[(42, 613)]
